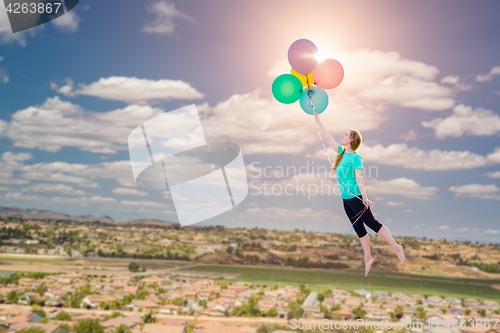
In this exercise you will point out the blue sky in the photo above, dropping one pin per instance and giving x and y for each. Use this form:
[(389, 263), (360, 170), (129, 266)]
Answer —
[(422, 85)]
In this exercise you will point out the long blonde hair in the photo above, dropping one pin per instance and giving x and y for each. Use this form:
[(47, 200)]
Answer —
[(355, 137)]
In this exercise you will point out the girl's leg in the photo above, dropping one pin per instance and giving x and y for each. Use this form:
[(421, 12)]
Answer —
[(352, 208), (386, 234), (365, 242)]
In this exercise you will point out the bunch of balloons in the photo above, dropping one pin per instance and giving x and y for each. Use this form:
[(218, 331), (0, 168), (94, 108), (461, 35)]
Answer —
[(308, 79)]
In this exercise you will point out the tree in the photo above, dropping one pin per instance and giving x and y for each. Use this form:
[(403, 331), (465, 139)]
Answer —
[(133, 267), (321, 297), (229, 249), (33, 329), (272, 312), (149, 318), (67, 249), (88, 326), (37, 309), (63, 316), (123, 329), (178, 301), (359, 313), (12, 297)]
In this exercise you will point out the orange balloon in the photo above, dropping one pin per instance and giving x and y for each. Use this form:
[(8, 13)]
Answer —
[(328, 74)]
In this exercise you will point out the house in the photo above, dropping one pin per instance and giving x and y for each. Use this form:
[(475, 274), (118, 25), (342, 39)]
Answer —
[(49, 328), (189, 295), (441, 324), (13, 311), (474, 329), (215, 327), (169, 309), (172, 322), (344, 313), (377, 314), (130, 321), (210, 312), (248, 329), (95, 300), (459, 312), (146, 306), (380, 293), (363, 293), (266, 305), (353, 302), (156, 328), (312, 311)]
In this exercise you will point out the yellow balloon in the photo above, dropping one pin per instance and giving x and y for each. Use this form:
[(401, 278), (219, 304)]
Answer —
[(303, 79)]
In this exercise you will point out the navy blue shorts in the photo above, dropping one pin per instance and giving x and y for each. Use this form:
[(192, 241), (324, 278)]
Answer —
[(354, 206)]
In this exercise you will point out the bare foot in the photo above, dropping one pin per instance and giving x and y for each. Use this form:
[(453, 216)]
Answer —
[(401, 255), (368, 265)]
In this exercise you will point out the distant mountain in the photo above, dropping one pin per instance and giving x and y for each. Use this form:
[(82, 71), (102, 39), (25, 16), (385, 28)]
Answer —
[(36, 214)]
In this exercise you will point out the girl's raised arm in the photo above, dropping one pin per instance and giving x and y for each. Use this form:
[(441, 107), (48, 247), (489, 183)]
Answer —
[(325, 134)]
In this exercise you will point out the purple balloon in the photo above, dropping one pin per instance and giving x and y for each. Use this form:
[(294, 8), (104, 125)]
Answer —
[(302, 56)]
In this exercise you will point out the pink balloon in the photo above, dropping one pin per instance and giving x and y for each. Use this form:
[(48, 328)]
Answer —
[(302, 56), (328, 74)]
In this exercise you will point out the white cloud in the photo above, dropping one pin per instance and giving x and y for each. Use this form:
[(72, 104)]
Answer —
[(495, 156), (3, 127), (66, 90), (483, 78), (67, 22), (456, 81), (408, 211), (495, 174), (451, 79), (143, 203), (410, 136), (444, 227), (128, 191), (57, 123), (395, 203), (59, 188), (39, 173), (477, 191), (10, 156), (491, 231), (131, 89), (465, 120), (400, 186), (4, 77), (165, 13)]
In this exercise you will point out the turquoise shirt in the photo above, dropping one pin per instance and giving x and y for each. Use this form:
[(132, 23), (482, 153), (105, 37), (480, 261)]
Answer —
[(345, 170)]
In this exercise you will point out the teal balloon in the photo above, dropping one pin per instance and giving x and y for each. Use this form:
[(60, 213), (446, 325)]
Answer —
[(319, 97), (287, 88)]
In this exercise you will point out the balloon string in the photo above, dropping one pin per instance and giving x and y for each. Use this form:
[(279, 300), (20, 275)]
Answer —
[(326, 152)]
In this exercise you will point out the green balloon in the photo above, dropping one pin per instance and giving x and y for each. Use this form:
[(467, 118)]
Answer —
[(287, 88)]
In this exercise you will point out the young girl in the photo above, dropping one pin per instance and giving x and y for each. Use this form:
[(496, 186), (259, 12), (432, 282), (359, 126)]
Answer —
[(349, 167)]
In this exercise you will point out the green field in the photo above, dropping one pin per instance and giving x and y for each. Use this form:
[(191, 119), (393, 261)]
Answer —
[(36, 260), (351, 280)]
